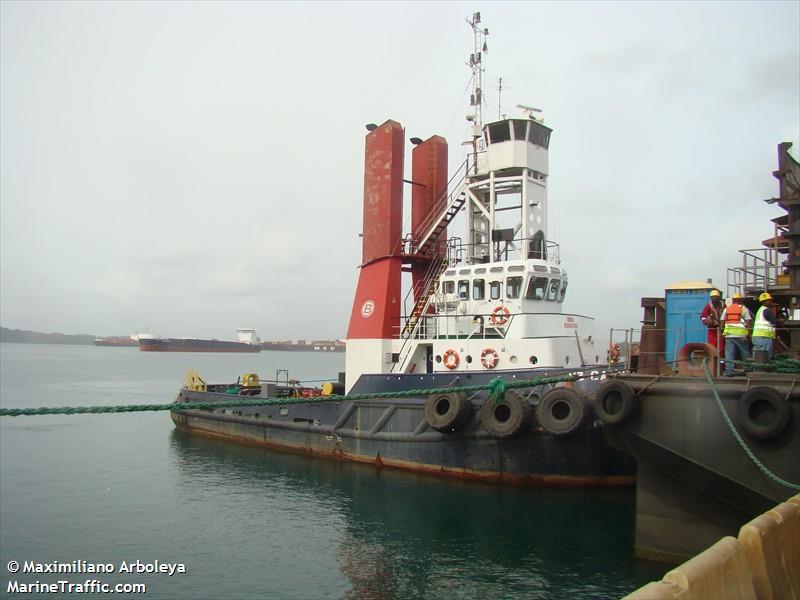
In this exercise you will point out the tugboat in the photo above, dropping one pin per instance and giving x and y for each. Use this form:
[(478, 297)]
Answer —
[(480, 307)]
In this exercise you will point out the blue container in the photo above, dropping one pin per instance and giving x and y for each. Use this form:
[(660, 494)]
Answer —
[(684, 303)]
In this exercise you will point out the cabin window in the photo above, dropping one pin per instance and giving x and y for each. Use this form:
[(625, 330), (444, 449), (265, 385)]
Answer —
[(448, 287), (499, 132), (552, 291), (519, 130), (563, 291), (463, 289), (478, 289), (536, 288), (494, 289), (513, 287), (539, 134)]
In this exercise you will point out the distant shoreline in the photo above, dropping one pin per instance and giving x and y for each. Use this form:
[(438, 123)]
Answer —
[(24, 336)]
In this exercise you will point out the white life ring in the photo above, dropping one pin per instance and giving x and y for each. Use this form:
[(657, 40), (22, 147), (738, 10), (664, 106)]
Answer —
[(489, 358), (500, 315)]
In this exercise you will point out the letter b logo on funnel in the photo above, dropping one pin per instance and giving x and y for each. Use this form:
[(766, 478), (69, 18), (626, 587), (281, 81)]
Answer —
[(367, 309)]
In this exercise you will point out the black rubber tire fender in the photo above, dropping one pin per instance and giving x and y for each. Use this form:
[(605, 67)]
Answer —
[(561, 411), (448, 412), (763, 412), (614, 401), (507, 418)]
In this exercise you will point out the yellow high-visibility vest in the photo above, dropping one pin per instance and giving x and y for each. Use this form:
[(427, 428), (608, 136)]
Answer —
[(762, 327)]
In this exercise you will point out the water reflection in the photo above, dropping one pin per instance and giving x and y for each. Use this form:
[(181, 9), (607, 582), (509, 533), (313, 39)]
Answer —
[(399, 535)]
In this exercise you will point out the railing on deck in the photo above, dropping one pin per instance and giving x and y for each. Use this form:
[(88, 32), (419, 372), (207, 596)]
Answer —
[(759, 270)]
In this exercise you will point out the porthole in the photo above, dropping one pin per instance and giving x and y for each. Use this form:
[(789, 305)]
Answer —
[(469, 358), (513, 359), (534, 360), (438, 358)]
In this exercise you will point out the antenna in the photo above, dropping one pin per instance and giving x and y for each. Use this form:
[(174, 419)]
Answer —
[(499, 97), (476, 64)]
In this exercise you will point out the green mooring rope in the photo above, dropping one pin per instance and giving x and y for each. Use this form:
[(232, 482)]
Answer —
[(779, 364), (497, 388), (761, 467)]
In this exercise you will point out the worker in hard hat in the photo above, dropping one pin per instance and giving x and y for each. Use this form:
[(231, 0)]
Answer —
[(765, 324), (711, 319), (736, 319)]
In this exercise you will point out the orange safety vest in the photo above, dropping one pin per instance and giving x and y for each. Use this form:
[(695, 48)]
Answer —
[(733, 313)]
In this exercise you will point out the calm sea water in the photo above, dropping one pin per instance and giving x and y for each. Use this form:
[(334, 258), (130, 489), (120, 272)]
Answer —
[(253, 523)]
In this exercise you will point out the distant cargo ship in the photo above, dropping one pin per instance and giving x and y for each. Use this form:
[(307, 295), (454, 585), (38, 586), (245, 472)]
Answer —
[(116, 340), (248, 342), (303, 346)]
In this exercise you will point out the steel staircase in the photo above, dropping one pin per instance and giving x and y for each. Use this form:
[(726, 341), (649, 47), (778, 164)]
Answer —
[(423, 300), (433, 232), (437, 219)]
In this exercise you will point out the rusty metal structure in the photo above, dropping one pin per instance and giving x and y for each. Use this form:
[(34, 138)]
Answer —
[(775, 267), (712, 452)]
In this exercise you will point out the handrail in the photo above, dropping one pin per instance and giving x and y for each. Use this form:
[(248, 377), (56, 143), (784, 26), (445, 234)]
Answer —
[(438, 210)]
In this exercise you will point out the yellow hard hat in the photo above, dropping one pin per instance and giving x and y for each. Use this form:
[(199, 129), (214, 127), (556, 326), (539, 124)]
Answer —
[(765, 296), (737, 296), (715, 294)]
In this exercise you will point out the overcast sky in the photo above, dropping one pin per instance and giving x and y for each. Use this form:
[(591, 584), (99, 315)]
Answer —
[(192, 168)]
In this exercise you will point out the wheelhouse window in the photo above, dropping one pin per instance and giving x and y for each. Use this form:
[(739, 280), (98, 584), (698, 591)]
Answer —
[(539, 134), (513, 287), (478, 289), (463, 289), (552, 291), (499, 132), (448, 287), (495, 288), (519, 129), (536, 288), (562, 294)]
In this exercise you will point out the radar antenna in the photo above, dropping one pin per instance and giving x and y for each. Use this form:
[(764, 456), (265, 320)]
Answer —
[(528, 112)]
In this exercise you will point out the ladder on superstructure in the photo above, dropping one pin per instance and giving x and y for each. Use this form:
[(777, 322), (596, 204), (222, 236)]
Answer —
[(437, 219), (438, 267)]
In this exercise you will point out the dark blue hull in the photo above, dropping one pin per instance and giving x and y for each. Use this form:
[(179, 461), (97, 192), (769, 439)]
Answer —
[(394, 433)]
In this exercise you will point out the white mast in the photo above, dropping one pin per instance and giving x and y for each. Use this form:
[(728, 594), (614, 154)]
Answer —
[(476, 63)]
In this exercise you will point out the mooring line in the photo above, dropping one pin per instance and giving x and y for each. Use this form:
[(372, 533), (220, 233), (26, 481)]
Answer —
[(761, 466), (496, 387)]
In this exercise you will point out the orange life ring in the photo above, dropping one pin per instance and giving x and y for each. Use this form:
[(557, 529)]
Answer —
[(489, 358), (450, 359), (498, 318)]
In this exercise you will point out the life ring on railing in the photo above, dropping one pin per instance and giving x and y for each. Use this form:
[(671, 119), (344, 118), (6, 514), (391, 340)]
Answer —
[(561, 411), (448, 412), (489, 358), (500, 315), (506, 418), (614, 401), (763, 412), (450, 359)]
